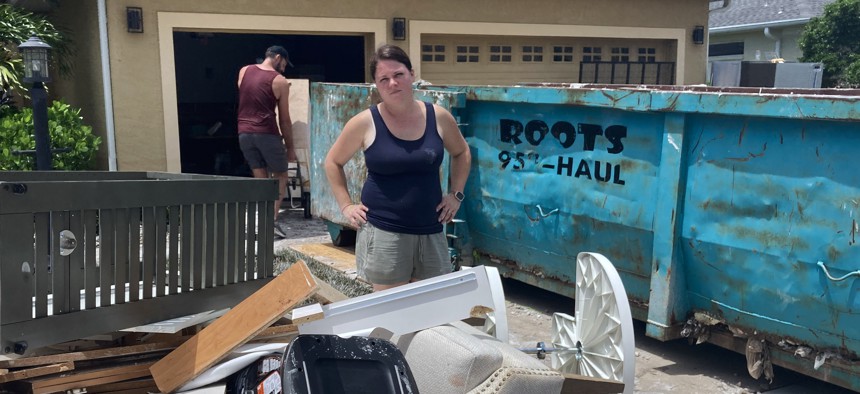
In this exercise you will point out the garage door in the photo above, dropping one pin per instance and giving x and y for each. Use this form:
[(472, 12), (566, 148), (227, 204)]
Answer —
[(489, 60)]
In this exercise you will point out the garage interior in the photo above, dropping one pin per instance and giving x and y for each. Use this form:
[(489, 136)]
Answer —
[(207, 66)]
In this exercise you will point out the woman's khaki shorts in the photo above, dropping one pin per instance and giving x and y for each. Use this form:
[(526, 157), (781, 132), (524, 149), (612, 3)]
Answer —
[(386, 258)]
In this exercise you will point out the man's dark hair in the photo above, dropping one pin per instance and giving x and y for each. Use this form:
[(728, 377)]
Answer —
[(389, 52), (277, 50)]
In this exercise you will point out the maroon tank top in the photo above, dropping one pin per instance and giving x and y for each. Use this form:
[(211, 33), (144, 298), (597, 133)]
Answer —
[(257, 102)]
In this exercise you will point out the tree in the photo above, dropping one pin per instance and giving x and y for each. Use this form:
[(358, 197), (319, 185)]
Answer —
[(834, 39), (16, 26)]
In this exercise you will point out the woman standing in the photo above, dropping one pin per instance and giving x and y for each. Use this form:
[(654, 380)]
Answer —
[(402, 210)]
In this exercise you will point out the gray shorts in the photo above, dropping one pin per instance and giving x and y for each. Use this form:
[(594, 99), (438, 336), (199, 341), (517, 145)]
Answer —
[(264, 151), (386, 258)]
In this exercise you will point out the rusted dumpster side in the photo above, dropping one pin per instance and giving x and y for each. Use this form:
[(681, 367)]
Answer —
[(730, 214), (725, 211)]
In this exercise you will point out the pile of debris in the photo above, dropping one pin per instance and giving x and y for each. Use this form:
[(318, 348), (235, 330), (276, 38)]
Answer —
[(163, 362), (407, 330)]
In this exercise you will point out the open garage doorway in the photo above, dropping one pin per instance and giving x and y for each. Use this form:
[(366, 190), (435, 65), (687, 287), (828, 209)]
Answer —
[(207, 66)]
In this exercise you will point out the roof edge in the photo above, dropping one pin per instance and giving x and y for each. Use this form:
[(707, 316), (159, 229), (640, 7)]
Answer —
[(759, 25)]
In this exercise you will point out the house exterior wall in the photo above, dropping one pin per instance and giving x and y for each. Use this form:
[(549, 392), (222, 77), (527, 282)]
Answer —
[(83, 88), (756, 40), (142, 67)]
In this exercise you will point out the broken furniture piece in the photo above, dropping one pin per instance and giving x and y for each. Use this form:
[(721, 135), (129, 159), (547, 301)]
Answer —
[(458, 358), (444, 354), (96, 252), (471, 292), (598, 341)]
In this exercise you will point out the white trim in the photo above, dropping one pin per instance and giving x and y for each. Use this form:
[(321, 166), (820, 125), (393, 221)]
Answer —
[(415, 306), (168, 22), (419, 27), (757, 26)]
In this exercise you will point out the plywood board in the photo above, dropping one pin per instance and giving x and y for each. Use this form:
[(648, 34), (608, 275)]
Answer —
[(236, 327)]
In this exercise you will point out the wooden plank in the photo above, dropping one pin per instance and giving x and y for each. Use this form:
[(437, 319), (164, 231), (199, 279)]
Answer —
[(328, 294), (81, 376), (587, 385), (342, 259), (83, 380), (236, 327), (92, 354), (308, 314), (277, 331), (36, 372), (132, 386)]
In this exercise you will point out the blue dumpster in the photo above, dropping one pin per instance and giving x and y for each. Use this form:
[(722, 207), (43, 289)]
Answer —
[(731, 210)]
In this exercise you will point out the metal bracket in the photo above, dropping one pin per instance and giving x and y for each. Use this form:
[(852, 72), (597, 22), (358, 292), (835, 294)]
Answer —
[(839, 279), (540, 212)]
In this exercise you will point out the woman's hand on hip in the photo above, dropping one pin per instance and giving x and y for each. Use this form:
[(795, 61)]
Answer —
[(356, 214), (447, 208)]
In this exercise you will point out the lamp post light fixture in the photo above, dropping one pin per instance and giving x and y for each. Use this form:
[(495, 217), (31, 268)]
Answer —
[(35, 53)]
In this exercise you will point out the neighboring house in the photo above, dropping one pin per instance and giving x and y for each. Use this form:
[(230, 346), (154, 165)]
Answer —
[(166, 69), (759, 29)]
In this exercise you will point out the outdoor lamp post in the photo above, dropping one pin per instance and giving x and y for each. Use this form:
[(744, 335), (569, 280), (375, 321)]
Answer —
[(35, 53)]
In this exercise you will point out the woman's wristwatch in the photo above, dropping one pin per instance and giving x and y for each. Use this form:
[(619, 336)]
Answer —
[(459, 196)]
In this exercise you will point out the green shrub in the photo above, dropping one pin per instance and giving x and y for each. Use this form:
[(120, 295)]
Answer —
[(66, 129)]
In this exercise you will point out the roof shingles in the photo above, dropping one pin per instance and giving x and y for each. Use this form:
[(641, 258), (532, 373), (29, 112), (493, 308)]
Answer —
[(745, 12)]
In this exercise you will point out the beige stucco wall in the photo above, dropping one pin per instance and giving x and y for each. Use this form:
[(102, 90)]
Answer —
[(144, 94), (83, 88)]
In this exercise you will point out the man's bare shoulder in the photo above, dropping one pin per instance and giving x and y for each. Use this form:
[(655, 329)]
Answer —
[(281, 81)]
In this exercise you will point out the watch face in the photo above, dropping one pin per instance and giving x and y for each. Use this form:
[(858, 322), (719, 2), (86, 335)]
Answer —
[(459, 196)]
